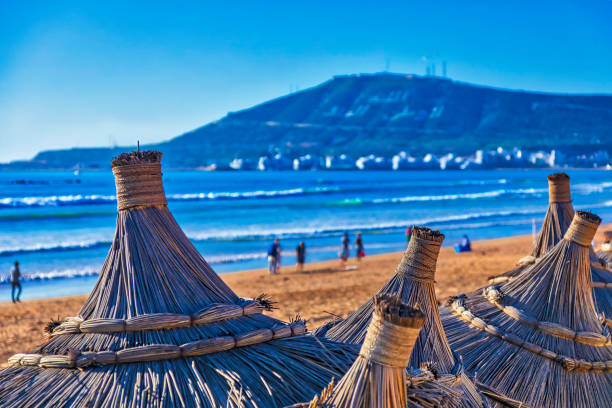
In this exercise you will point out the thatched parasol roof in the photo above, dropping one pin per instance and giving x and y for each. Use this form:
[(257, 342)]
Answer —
[(413, 282), (378, 377), (558, 218), (538, 338), (161, 328)]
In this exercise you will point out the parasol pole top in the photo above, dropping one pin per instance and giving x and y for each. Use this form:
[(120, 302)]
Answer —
[(559, 188), (421, 256), (392, 332), (583, 227), (138, 179)]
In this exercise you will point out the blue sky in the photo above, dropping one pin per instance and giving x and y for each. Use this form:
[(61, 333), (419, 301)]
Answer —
[(87, 73)]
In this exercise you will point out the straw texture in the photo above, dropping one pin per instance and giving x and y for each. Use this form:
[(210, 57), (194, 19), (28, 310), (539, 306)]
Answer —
[(605, 257), (378, 378), (413, 282), (161, 328), (538, 338)]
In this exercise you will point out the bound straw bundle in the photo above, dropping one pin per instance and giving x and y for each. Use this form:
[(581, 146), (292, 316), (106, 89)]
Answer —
[(413, 282), (161, 328), (378, 377), (558, 218), (538, 338)]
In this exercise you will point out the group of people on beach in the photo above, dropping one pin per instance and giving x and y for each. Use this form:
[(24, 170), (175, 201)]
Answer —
[(345, 252), (275, 250), (274, 257)]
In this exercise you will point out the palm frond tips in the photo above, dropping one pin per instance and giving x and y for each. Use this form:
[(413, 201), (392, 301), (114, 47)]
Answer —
[(51, 325), (137, 157), (266, 302)]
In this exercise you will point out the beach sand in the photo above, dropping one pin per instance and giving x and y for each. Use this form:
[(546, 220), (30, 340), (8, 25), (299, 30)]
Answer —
[(316, 295)]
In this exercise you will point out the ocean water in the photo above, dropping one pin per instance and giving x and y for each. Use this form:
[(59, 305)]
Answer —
[(59, 225)]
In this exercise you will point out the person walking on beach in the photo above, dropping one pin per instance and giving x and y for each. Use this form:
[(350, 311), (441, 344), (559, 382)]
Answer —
[(344, 252), (359, 247), (274, 254), (300, 254), (15, 284)]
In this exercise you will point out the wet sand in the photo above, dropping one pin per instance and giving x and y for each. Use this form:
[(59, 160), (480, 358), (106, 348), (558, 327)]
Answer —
[(318, 294)]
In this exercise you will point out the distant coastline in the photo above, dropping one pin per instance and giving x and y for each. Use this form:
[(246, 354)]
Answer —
[(496, 159)]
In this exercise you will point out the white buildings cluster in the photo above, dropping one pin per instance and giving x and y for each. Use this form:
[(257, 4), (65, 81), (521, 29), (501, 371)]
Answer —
[(481, 159)]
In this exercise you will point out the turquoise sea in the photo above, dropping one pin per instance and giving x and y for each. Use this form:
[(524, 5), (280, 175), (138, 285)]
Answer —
[(59, 225)]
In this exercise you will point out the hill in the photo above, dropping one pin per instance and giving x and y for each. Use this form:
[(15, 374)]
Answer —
[(383, 114)]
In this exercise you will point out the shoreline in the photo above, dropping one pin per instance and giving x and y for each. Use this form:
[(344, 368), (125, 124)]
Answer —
[(6, 167), (320, 293)]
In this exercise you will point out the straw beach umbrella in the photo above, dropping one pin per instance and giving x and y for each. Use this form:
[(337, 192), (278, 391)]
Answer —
[(538, 338), (413, 282), (161, 328), (378, 377), (558, 218)]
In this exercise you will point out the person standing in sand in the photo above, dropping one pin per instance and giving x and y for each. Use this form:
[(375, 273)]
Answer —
[(274, 254), (359, 247), (300, 255), (344, 252), (15, 284), (278, 256)]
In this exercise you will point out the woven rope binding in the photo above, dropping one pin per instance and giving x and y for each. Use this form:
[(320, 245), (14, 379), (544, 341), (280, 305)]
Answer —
[(583, 228), (138, 179), (458, 308), (212, 313), (392, 333), (420, 258), (158, 352), (559, 188)]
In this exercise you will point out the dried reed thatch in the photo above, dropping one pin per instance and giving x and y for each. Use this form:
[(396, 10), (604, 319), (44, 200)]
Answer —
[(378, 378), (413, 282), (161, 328), (558, 218), (538, 338)]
